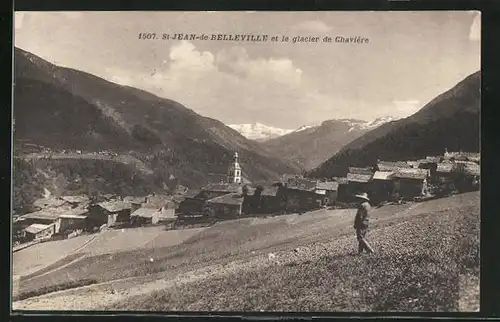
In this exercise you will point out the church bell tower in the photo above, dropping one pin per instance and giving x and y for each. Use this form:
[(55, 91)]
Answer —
[(234, 172)]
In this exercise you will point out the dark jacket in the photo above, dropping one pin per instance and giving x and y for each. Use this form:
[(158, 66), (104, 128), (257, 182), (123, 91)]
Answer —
[(362, 216)]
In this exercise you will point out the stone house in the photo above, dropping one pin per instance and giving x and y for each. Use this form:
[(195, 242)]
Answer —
[(227, 206), (328, 190), (410, 183), (382, 186), (39, 231)]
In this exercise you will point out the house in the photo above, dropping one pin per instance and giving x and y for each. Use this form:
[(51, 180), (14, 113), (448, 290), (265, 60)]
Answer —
[(213, 190), (191, 203), (39, 231), (269, 199), (73, 219), (45, 217), (301, 195), (226, 206), (357, 183), (114, 212), (342, 188), (410, 183), (429, 163), (466, 175), (167, 216), (145, 216), (329, 191), (382, 186), (443, 177)]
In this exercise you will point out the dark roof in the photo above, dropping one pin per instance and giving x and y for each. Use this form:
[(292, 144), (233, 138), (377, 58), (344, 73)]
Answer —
[(227, 199), (411, 173), (328, 185), (357, 170), (301, 184), (391, 165), (222, 187), (270, 191), (354, 177)]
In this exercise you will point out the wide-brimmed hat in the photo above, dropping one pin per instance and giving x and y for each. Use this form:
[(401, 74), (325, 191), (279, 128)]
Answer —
[(363, 195)]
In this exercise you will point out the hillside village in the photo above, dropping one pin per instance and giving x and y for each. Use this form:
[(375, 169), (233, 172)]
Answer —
[(235, 197)]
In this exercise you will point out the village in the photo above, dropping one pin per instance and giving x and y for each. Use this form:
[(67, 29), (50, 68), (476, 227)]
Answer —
[(386, 182)]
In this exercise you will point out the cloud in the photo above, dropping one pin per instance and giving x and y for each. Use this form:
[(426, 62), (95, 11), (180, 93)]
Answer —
[(475, 29), (313, 26), (405, 108), (229, 85), (184, 56), (279, 70)]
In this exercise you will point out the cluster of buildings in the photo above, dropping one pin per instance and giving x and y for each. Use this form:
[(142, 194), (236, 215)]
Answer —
[(432, 176), (384, 181), (234, 196), (64, 216)]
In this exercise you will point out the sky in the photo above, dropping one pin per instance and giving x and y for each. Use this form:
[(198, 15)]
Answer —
[(410, 58)]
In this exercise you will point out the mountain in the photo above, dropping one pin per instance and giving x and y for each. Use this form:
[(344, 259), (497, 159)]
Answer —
[(258, 131), (310, 145), (451, 121), (66, 109)]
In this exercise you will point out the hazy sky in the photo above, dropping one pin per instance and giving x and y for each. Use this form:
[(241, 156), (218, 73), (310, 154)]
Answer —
[(410, 58)]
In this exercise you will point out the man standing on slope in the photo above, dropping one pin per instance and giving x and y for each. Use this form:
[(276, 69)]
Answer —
[(361, 223)]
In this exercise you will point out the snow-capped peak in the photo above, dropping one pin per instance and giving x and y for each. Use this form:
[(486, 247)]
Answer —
[(259, 131), (367, 125)]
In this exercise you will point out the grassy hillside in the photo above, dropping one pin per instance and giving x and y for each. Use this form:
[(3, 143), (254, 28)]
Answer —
[(421, 248), (449, 121), (62, 108), (414, 270)]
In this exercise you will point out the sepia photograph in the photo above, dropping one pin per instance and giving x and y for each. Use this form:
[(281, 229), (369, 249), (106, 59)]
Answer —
[(246, 161)]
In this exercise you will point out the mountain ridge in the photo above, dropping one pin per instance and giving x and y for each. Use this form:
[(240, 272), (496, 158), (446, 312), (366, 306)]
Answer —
[(66, 109), (310, 145), (451, 120)]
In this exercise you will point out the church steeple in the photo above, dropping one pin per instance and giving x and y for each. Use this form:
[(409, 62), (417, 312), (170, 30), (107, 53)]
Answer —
[(234, 171)]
